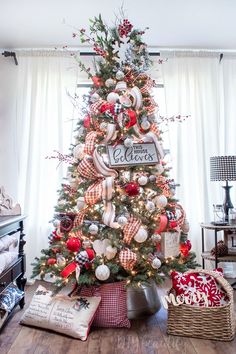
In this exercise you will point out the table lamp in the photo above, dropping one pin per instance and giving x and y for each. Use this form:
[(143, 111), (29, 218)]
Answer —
[(223, 168)]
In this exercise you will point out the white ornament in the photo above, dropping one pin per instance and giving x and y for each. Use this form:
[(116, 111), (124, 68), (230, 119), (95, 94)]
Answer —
[(61, 261), (78, 151), (103, 126), (128, 142), (80, 203), (156, 263), (141, 235), (121, 86), (110, 82), (142, 180), (110, 252), (145, 125), (86, 243), (100, 246), (93, 229), (156, 238), (112, 97), (102, 272), (150, 206), (94, 97), (120, 75), (185, 226), (161, 201), (152, 178), (122, 220)]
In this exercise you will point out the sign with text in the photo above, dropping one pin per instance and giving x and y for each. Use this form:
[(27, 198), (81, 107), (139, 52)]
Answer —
[(138, 154)]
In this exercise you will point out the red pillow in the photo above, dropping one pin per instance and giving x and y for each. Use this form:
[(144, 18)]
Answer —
[(112, 310), (190, 284)]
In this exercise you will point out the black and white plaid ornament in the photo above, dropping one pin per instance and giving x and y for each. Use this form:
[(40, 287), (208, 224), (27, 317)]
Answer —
[(117, 108)]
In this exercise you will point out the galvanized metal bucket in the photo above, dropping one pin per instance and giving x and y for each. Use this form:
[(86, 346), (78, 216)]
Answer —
[(142, 301)]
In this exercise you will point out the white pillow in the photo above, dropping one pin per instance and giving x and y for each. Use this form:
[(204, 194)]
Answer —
[(68, 316)]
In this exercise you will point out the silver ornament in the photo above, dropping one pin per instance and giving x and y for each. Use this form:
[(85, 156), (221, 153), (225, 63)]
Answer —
[(141, 235), (103, 126), (110, 82), (142, 180), (156, 263), (122, 220), (86, 243), (145, 125), (128, 142), (120, 75), (152, 178), (160, 201), (150, 206), (94, 97), (93, 229), (156, 238), (112, 97), (61, 261), (56, 223)]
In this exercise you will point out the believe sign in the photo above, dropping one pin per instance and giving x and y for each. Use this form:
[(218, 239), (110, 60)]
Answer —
[(138, 154)]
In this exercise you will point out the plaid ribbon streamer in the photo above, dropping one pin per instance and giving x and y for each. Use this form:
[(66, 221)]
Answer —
[(95, 107), (127, 259), (131, 228), (90, 143), (86, 169), (94, 193), (79, 219)]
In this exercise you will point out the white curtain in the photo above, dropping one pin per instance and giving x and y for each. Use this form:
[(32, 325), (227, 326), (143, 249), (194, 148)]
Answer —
[(44, 123), (197, 84)]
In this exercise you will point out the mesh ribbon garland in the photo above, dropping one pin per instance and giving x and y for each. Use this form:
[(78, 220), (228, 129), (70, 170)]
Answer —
[(95, 107), (86, 169), (90, 143), (94, 193), (131, 228), (127, 259)]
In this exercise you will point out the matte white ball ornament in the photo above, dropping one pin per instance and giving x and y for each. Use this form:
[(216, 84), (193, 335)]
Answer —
[(142, 180), (128, 142), (161, 201), (120, 75), (102, 272), (110, 252), (122, 220), (156, 263), (110, 82), (185, 227), (112, 97), (78, 151), (93, 229), (145, 125), (141, 235), (150, 206)]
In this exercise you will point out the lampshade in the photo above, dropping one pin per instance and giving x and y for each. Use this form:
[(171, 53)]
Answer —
[(223, 168)]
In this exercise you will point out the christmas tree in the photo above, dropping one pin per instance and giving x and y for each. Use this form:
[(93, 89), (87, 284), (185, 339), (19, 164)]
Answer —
[(117, 217)]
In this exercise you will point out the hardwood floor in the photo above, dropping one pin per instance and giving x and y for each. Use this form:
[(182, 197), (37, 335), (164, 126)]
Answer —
[(147, 336)]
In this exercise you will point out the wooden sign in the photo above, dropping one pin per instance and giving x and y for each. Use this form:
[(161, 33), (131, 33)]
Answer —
[(170, 244), (138, 154)]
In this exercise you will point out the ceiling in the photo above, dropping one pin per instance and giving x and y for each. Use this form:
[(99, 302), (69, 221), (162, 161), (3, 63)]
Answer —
[(203, 24)]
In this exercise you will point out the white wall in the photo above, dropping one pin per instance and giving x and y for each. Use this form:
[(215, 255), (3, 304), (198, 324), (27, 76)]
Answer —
[(8, 156)]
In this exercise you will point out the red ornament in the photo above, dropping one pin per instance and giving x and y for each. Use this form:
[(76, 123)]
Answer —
[(87, 121), (132, 189), (56, 236), (105, 107), (173, 224), (68, 270), (97, 81), (73, 244), (185, 248), (132, 118), (51, 261)]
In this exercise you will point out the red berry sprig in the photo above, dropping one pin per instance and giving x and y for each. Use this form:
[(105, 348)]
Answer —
[(125, 28)]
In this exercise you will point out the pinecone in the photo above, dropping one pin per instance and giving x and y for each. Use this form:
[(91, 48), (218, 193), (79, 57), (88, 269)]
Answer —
[(221, 249)]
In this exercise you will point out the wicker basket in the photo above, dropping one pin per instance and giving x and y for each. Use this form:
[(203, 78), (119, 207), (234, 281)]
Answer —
[(216, 323)]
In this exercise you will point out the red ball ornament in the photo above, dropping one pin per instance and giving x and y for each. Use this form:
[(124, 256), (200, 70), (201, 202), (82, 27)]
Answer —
[(56, 236), (87, 121), (132, 189), (188, 243), (73, 244), (97, 81), (173, 224), (51, 261), (132, 118), (184, 249)]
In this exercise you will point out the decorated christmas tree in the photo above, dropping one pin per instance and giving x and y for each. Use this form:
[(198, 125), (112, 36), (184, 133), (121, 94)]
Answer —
[(117, 217)]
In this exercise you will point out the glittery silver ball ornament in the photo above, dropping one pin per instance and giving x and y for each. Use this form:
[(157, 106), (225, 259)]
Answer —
[(102, 272), (86, 244), (152, 178), (156, 238), (156, 263), (150, 206), (122, 220), (120, 75), (112, 97), (110, 83), (145, 125), (94, 97), (141, 235), (61, 261), (93, 229), (161, 201), (128, 142), (142, 180), (56, 223)]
